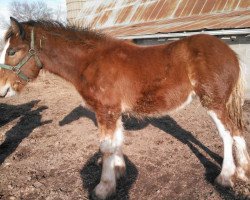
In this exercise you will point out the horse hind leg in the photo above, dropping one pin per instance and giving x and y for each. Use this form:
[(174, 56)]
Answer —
[(242, 158), (231, 134), (113, 164), (234, 107), (222, 121)]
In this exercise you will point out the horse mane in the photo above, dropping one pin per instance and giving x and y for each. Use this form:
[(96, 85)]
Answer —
[(70, 32)]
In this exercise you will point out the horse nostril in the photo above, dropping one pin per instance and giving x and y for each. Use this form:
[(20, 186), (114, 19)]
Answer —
[(7, 91)]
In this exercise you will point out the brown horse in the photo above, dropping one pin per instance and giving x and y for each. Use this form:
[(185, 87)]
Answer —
[(115, 77)]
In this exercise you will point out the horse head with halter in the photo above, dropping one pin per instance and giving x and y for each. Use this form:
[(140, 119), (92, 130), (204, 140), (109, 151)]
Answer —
[(16, 65)]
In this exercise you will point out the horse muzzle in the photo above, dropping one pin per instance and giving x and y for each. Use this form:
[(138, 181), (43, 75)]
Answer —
[(7, 91)]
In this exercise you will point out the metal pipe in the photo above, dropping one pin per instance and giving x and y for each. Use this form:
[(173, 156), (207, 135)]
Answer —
[(245, 31)]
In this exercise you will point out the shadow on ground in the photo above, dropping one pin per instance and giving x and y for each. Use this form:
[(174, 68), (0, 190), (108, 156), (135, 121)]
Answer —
[(169, 126), (77, 113), (29, 120)]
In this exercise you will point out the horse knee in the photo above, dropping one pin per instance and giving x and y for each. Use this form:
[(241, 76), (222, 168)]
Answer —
[(107, 146), (112, 140)]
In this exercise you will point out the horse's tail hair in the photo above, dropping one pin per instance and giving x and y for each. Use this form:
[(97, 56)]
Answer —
[(236, 99)]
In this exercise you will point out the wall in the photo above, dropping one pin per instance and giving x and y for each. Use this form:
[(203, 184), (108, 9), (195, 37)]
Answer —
[(111, 13), (242, 47)]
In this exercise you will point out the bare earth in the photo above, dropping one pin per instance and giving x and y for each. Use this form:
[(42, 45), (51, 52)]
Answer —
[(49, 150)]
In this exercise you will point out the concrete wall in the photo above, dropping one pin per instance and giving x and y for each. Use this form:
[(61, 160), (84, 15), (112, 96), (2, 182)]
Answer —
[(242, 47), (240, 44)]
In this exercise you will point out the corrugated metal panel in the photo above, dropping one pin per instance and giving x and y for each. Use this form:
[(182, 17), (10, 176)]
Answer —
[(138, 17)]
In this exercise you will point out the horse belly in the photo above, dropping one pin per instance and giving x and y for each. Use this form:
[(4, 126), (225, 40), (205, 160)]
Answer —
[(157, 103)]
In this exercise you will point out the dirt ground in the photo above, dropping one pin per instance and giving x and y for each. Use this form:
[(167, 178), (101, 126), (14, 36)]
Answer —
[(49, 150)]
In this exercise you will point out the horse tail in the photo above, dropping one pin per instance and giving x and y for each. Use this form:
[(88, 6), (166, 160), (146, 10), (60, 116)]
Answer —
[(236, 99)]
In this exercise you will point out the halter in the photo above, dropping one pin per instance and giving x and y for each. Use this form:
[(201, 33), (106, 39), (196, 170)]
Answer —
[(31, 53)]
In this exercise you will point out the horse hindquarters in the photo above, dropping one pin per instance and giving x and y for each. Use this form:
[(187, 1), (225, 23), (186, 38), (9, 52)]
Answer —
[(215, 75), (228, 119)]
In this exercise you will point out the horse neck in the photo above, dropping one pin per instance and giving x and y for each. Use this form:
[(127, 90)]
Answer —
[(67, 58)]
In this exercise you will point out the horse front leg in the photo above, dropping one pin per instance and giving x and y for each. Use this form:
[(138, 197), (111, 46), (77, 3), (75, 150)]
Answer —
[(113, 165)]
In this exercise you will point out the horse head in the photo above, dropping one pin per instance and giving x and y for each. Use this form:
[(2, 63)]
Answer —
[(19, 62)]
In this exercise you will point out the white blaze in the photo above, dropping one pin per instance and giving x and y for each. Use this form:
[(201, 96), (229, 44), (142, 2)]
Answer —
[(6, 90), (2, 58)]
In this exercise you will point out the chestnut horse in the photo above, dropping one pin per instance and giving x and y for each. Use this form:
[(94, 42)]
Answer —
[(115, 77)]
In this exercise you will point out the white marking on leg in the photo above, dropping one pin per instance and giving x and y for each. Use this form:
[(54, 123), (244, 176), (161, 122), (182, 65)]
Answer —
[(118, 135), (111, 148), (242, 156), (228, 166), (241, 150), (107, 184), (119, 164), (2, 57), (114, 145), (110, 145), (118, 161)]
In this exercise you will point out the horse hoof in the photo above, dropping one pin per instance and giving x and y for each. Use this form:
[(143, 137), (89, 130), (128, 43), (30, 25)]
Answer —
[(120, 171), (242, 174), (94, 196), (224, 181), (103, 191)]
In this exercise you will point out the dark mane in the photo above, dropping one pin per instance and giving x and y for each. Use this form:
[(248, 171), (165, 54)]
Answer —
[(70, 32)]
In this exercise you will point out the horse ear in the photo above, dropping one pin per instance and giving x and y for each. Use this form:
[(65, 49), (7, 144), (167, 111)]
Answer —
[(17, 28)]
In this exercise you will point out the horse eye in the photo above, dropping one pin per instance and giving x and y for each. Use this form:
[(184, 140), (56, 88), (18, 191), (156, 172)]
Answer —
[(11, 52)]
